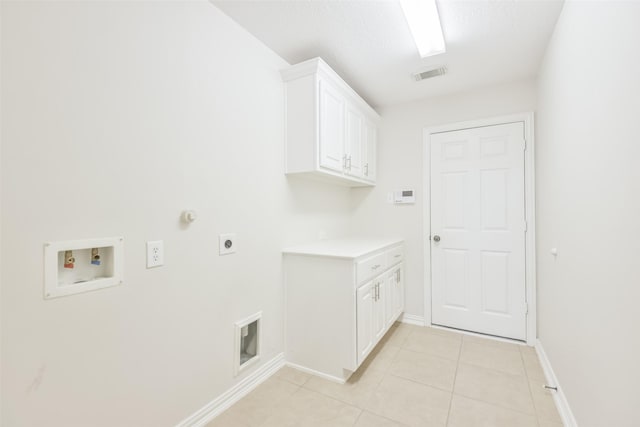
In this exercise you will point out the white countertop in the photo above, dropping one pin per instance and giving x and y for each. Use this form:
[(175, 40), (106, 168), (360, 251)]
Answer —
[(341, 248)]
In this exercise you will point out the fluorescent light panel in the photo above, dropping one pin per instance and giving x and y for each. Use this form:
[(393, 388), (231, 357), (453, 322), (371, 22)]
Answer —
[(424, 23)]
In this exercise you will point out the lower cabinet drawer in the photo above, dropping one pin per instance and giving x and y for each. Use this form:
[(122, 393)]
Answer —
[(369, 267), (395, 256)]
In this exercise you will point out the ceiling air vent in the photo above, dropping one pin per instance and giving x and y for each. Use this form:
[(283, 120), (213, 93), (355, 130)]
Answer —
[(430, 73)]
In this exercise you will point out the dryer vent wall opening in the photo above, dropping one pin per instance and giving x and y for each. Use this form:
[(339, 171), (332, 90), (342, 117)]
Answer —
[(247, 342)]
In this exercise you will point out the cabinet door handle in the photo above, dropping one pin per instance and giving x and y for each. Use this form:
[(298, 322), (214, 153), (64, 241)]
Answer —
[(366, 169), (344, 161), (398, 276), (349, 159), (377, 291), (375, 267)]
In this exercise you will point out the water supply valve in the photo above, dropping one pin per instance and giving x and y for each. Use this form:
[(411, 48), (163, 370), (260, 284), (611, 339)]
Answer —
[(69, 260), (95, 256)]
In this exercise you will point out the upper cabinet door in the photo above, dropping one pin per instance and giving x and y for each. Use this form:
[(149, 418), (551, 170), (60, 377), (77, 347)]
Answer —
[(369, 151), (331, 128), (354, 142)]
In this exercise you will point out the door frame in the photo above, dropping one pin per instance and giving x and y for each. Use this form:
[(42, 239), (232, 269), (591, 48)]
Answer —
[(530, 211)]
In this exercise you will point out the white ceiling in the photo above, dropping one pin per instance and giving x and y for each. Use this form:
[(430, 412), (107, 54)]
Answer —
[(369, 44)]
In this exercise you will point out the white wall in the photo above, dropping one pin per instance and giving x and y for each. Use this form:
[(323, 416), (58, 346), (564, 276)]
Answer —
[(116, 117), (400, 165), (588, 206)]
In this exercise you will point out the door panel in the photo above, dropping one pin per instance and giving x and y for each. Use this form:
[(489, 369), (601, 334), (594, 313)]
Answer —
[(380, 287), (354, 143), (456, 273), (369, 152), (455, 186), (389, 295), (493, 191), (495, 282), (398, 292), (477, 210), (331, 128)]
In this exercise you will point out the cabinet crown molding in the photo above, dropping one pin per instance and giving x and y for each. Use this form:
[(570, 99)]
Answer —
[(318, 66)]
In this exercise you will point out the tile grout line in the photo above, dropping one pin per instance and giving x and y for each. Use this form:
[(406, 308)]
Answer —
[(423, 384), (475, 399), (531, 385), (437, 356), (387, 373), (533, 401), (359, 415), (455, 377), (292, 382), (285, 398), (496, 371)]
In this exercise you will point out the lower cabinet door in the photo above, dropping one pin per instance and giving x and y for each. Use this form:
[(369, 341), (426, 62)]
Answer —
[(398, 290), (390, 299), (364, 316), (379, 315)]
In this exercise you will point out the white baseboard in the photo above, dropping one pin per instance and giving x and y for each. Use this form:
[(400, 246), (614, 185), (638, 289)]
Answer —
[(235, 393), (316, 373), (412, 319), (560, 399)]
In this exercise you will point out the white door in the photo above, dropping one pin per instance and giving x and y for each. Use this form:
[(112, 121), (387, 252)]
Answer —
[(478, 230), (364, 317), (354, 142), (331, 128)]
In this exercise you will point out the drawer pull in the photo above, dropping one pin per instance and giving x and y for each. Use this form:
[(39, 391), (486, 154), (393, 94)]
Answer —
[(375, 267), (397, 256)]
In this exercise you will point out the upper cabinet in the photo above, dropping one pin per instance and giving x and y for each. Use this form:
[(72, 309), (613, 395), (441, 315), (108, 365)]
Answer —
[(330, 131)]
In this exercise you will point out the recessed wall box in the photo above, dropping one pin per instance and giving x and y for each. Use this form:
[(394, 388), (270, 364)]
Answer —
[(227, 243), (76, 266), (404, 196), (247, 342)]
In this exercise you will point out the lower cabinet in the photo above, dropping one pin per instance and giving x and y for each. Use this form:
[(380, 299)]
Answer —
[(341, 298), (379, 303)]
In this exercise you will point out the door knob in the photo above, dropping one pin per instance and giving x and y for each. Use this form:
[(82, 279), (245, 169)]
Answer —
[(436, 238)]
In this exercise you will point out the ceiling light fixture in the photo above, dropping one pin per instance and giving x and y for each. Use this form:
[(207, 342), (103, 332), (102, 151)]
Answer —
[(424, 23)]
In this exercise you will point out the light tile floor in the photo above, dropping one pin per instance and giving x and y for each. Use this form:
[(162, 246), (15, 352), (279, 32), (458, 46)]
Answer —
[(416, 376)]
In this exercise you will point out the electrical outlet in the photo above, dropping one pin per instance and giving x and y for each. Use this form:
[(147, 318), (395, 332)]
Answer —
[(227, 244), (155, 253)]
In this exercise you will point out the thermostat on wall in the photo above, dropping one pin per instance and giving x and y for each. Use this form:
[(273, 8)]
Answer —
[(404, 196)]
